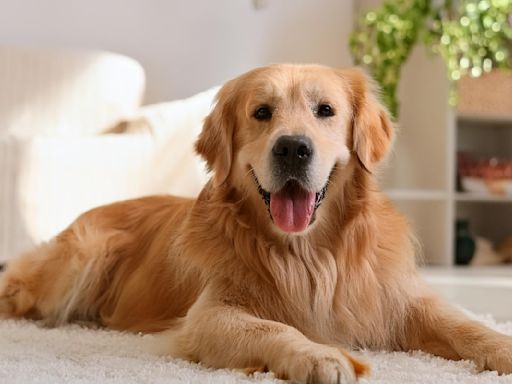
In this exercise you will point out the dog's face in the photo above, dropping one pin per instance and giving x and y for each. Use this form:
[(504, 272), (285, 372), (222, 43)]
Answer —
[(281, 131)]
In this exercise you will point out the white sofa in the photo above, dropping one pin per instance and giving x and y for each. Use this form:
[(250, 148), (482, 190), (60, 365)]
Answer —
[(73, 136)]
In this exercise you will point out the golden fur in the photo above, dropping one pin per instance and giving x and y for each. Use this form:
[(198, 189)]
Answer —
[(227, 286)]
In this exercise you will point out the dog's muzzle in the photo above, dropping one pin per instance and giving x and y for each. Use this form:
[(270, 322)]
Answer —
[(292, 204)]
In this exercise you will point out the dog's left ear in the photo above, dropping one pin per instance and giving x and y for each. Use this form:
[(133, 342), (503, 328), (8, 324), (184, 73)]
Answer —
[(215, 143), (372, 131)]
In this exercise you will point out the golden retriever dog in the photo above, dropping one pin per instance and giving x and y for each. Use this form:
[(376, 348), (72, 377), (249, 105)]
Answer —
[(289, 257)]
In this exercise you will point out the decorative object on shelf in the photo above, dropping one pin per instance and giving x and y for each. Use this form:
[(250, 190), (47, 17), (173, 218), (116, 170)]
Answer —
[(464, 243), (489, 94), (485, 254), (505, 250), (485, 175), (472, 36)]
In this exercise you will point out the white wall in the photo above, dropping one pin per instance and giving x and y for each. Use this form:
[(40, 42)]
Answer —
[(187, 46)]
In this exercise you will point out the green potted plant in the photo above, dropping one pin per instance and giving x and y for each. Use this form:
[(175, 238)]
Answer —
[(472, 36)]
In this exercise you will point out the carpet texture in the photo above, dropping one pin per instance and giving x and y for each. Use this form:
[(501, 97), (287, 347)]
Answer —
[(72, 354)]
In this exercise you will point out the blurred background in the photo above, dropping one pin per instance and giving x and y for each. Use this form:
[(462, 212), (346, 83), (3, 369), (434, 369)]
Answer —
[(102, 100), (187, 46)]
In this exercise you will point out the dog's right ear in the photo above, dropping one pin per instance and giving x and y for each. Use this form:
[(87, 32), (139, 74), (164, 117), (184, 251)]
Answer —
[(215, 143)]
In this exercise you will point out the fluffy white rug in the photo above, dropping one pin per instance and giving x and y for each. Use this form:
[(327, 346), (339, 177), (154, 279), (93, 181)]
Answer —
[(72, 354)]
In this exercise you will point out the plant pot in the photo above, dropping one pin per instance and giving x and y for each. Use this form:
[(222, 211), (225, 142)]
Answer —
[(489, 94)]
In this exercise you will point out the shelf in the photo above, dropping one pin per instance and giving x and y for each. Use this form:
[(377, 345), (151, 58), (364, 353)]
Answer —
[(482, 198), (416, 194), (438, 195), (500, 273), (488, 119)]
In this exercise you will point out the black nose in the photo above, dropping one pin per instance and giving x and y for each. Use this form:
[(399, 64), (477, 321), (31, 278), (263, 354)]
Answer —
[(293, 150)]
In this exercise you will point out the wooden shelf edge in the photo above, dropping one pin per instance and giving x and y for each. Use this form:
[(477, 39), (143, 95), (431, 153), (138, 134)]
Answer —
[(416, 194), (481, 118), (481, 198)]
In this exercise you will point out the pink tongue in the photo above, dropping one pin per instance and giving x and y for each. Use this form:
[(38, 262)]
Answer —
[(292, 209)]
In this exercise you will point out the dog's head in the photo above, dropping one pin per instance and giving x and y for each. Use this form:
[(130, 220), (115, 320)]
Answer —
[(281, 132)]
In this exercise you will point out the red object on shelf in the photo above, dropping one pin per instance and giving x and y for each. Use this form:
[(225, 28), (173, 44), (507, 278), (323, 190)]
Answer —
[(485, 174)]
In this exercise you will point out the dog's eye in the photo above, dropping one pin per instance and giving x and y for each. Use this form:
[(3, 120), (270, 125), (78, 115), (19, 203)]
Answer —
[(263, 113), (324, 110)]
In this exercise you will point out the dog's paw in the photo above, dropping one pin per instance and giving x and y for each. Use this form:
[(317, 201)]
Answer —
[(6, 298), (15, 300), (323, 365), (496, 355)]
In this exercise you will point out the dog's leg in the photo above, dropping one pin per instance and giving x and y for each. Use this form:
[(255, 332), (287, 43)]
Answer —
[(20, 284), (37, 283), (436, 327), (62, 280), (225, 337)]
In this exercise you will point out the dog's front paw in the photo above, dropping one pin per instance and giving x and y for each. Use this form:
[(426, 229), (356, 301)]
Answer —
[(322, 365), (496, 355)]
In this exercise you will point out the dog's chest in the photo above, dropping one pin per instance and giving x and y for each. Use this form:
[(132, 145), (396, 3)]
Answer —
[(312, 290), (367, 307), (302, 292), (330, 304)]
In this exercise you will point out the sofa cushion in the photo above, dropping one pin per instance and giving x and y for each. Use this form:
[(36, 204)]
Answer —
[(65, 93), (47, 181), (175, 127)]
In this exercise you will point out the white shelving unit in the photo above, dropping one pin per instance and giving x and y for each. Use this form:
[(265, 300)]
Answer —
[(420, 176), (480, 198), (489, 216), (416, 194)]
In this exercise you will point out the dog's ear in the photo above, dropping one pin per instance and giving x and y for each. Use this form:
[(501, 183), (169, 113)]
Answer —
[(215, 143), (372, 130)]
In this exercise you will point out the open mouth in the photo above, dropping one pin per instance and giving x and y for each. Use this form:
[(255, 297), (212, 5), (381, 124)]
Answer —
[(292, 208)]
